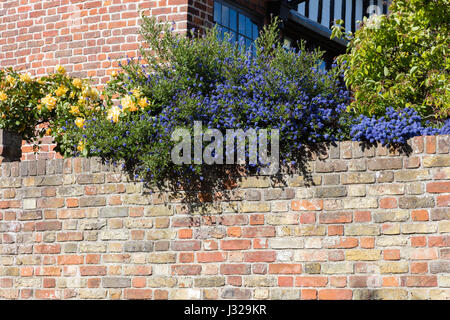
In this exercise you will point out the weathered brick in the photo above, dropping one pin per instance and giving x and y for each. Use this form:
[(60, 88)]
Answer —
[(307, 205), (436, 161), (360, 203), (336, 217), (408, 228), (362, 230), (384, 164), (357, 178), (255, 207), (160, 210), (138, 246), (116, 282), (416, 202), (394, 267), (363, 255), (337, 268), (330, 192), (391, 215), (113, 212), (206, 282), (440, 267), (335, 294), (260, 281)]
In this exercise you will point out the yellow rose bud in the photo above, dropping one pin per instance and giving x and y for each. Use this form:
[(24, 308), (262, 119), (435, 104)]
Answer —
[(48, 131), (114, 73), (81, 146), (60, 69), (136, 93), (3, 96)]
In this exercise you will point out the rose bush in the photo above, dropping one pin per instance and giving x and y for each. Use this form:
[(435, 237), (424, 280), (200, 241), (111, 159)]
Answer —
[(33, 107)]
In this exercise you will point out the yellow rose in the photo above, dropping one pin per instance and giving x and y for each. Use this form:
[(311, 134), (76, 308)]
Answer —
[(49, 102), (74, 110), (61, 91), (60, 69), (3, 96), (26, 77), (128, 104), (79, 122), (114, 113), (114, 73), (143, 103), (77, 82)]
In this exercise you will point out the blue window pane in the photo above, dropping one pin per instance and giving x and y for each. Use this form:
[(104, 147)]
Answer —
[(322, 66), (233, 20), (248, 27), (248, 43), (217, 12), (241, 24), (225, 16), (255, 31)]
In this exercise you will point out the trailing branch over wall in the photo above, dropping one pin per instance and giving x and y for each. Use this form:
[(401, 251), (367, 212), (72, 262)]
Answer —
[(373, 224)]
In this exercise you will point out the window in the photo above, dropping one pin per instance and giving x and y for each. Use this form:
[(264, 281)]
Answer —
[(239, 25)]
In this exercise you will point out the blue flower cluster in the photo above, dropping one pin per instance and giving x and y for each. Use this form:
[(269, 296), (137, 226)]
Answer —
[(304, 106), (396, 127)]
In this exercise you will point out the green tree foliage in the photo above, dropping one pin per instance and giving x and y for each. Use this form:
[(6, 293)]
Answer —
[(401, 59)]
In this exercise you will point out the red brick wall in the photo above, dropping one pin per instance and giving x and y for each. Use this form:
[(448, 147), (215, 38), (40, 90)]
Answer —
[(375, 225), (36, 36), (81, 35)]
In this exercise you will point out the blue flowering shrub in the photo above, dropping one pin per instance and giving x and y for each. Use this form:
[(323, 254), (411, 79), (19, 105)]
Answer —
[(179, 80)]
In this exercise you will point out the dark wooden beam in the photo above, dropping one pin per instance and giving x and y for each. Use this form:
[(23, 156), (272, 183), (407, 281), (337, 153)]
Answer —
[(353, 15), (307, 8), (319, 13), (331, 13)]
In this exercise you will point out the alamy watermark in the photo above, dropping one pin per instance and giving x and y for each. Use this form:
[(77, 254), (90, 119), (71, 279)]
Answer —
[(234, 144)]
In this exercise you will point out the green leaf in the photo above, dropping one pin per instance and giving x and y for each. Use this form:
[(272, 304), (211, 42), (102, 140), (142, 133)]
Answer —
[(413, 69)]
